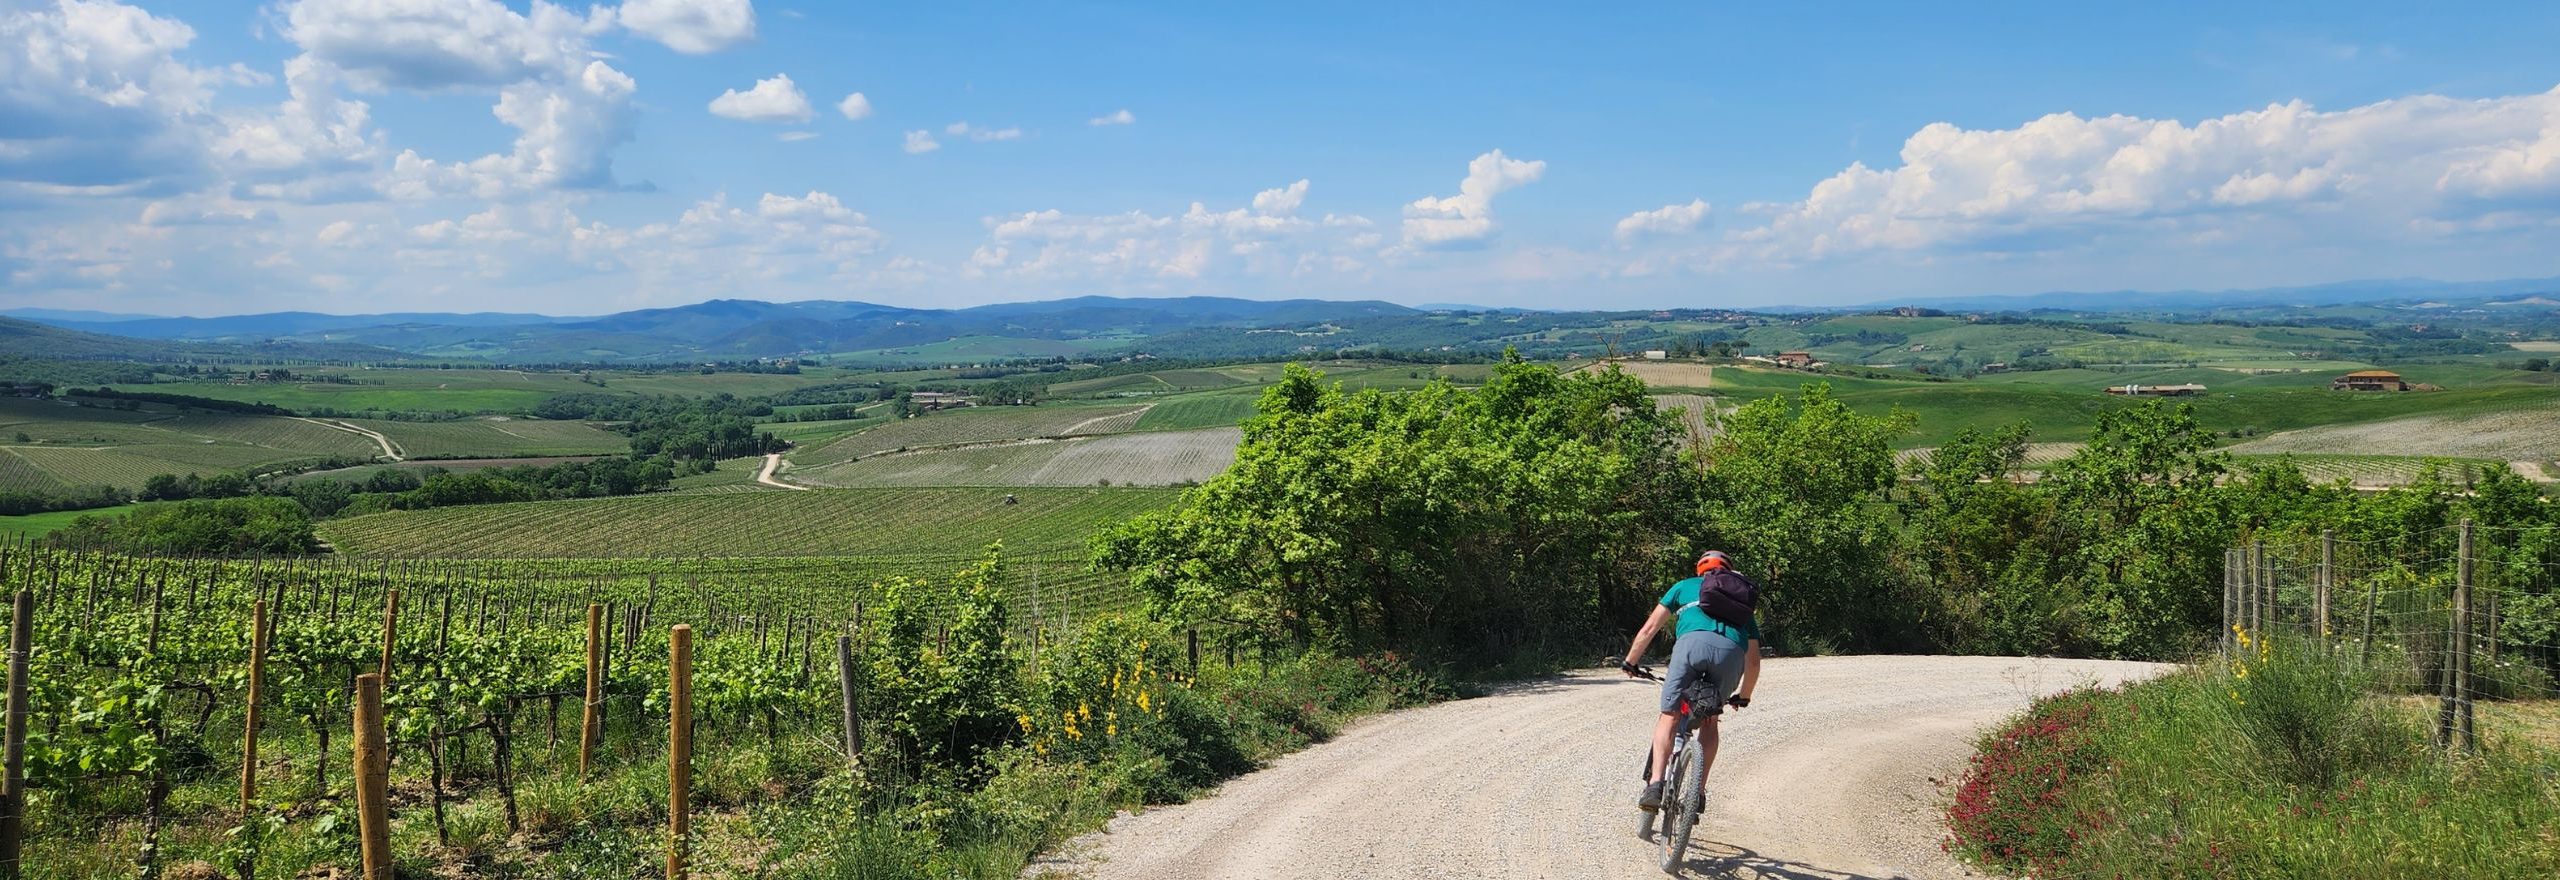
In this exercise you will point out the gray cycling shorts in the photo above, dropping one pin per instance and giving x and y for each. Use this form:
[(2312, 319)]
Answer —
[(1706, 657)]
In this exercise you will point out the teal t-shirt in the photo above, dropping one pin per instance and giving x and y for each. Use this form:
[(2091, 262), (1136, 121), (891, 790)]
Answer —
[(1693, 619)]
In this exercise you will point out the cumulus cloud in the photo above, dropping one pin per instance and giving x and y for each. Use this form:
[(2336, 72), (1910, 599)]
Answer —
[(1466, 219), (854, 107), (772, 100), (793, 137), (96, 101), (2378, 170), (981, 134), (437, 45), (569, 107), (1120, 117), (1665, 220), (693, 27), (1145, 250), (567, 133), (920, 142)]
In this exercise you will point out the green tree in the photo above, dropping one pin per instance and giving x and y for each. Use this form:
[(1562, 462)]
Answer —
[(2142, 525), (1462, 523), (1795, 489)]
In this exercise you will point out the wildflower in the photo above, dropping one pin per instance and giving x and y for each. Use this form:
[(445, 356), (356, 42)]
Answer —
[(1142, 702)]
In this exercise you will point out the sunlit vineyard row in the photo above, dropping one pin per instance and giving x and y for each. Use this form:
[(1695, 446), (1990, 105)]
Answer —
[(140, 667), (776, 523)]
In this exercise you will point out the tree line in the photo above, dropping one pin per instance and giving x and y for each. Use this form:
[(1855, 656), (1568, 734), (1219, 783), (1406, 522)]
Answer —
[(1544, 513)]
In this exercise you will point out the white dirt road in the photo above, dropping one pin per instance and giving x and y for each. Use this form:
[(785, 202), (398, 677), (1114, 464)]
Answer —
[(388, 450), (773, 462), (1835, 771)]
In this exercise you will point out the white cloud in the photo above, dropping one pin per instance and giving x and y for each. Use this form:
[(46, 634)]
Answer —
[(567, 133), (432, 45), (1120, 117), (693, 27), (772, 100), (570, 109), (1665, 220), (920, 142), (855, 107), (2375, 171), (1147, 251), (793, 137), (1281, 202), (1466, 219), (96, 102), (981, 135)]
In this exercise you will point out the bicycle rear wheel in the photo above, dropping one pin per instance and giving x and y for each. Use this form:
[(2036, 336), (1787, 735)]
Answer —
[(1682, 800)]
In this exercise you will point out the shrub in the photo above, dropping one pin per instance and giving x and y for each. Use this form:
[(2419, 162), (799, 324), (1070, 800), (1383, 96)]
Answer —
[(2300, 707)]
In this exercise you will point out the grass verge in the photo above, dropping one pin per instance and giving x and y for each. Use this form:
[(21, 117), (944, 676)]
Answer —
[(2272, 765)]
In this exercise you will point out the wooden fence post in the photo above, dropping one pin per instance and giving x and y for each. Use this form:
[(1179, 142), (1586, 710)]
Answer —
[(249, 726), (2372, 599), (373, 779), (2320, 587), (13, 786), (679, 747), (1191, 650), (852, 720), (2266, 584), (2230, 594), (2462, 644), (588, 729)]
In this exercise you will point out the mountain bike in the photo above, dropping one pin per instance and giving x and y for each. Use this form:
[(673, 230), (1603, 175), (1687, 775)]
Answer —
[(1686, 794)]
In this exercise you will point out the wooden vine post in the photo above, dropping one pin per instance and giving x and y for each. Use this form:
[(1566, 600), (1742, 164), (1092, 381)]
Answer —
[(852, 721), (249, 727), (679, 747), (13, 787), (373, 779), (589, 729), (2328, 571), (390, 632)]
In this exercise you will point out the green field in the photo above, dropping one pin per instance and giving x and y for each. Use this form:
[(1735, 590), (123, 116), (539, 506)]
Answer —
[(496, 437), (841, 522), (979, 424), (1147, 458), (477, 390), (68, 445), (1205, 410)]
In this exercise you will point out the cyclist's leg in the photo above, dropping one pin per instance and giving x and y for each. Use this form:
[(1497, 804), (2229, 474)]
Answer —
[(1723, 665), (1678, 676)]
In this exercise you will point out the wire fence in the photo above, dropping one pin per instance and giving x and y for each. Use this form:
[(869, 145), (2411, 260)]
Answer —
[(2466, 617)]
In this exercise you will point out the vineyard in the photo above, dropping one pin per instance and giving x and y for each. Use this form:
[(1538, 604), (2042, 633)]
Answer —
[(774, 523), (196, 717), (973, 425), (2521, 433), (68, 445), (2385, 470), (1152, 458), (496, 438)]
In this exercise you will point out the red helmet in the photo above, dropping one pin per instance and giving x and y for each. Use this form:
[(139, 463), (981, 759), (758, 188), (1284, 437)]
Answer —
[(1712, 560)]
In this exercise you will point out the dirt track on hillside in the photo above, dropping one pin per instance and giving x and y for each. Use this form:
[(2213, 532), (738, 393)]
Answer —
[(1834, 772)]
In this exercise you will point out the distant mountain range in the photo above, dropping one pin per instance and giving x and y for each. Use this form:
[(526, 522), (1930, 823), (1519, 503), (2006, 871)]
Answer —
[(735, 329), (2379, 291), (721, 329)]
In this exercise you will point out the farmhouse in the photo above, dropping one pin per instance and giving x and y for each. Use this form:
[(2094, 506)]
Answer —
[(1802, 360), (2187, 390), (940, 400), (2369, 380), (1655, 354)]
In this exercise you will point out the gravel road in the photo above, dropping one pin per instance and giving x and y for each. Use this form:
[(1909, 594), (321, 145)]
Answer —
[(1834, 772)]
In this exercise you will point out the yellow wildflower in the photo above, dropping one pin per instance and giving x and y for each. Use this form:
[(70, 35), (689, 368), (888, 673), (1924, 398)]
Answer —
[(1142, 701)]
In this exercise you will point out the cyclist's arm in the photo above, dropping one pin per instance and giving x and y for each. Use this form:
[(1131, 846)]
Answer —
[(1750, 669), (1644, 636)]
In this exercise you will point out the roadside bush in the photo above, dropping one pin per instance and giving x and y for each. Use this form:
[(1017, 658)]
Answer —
[(2299, 707)]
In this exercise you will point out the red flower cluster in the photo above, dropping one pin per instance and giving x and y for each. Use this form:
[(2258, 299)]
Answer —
[(2012, 811)]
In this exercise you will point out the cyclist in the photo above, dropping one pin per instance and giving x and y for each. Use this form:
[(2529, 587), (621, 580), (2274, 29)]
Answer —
[(1725, 652)]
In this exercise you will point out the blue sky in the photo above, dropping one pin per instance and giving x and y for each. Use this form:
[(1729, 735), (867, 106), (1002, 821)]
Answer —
[(343, 156)]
